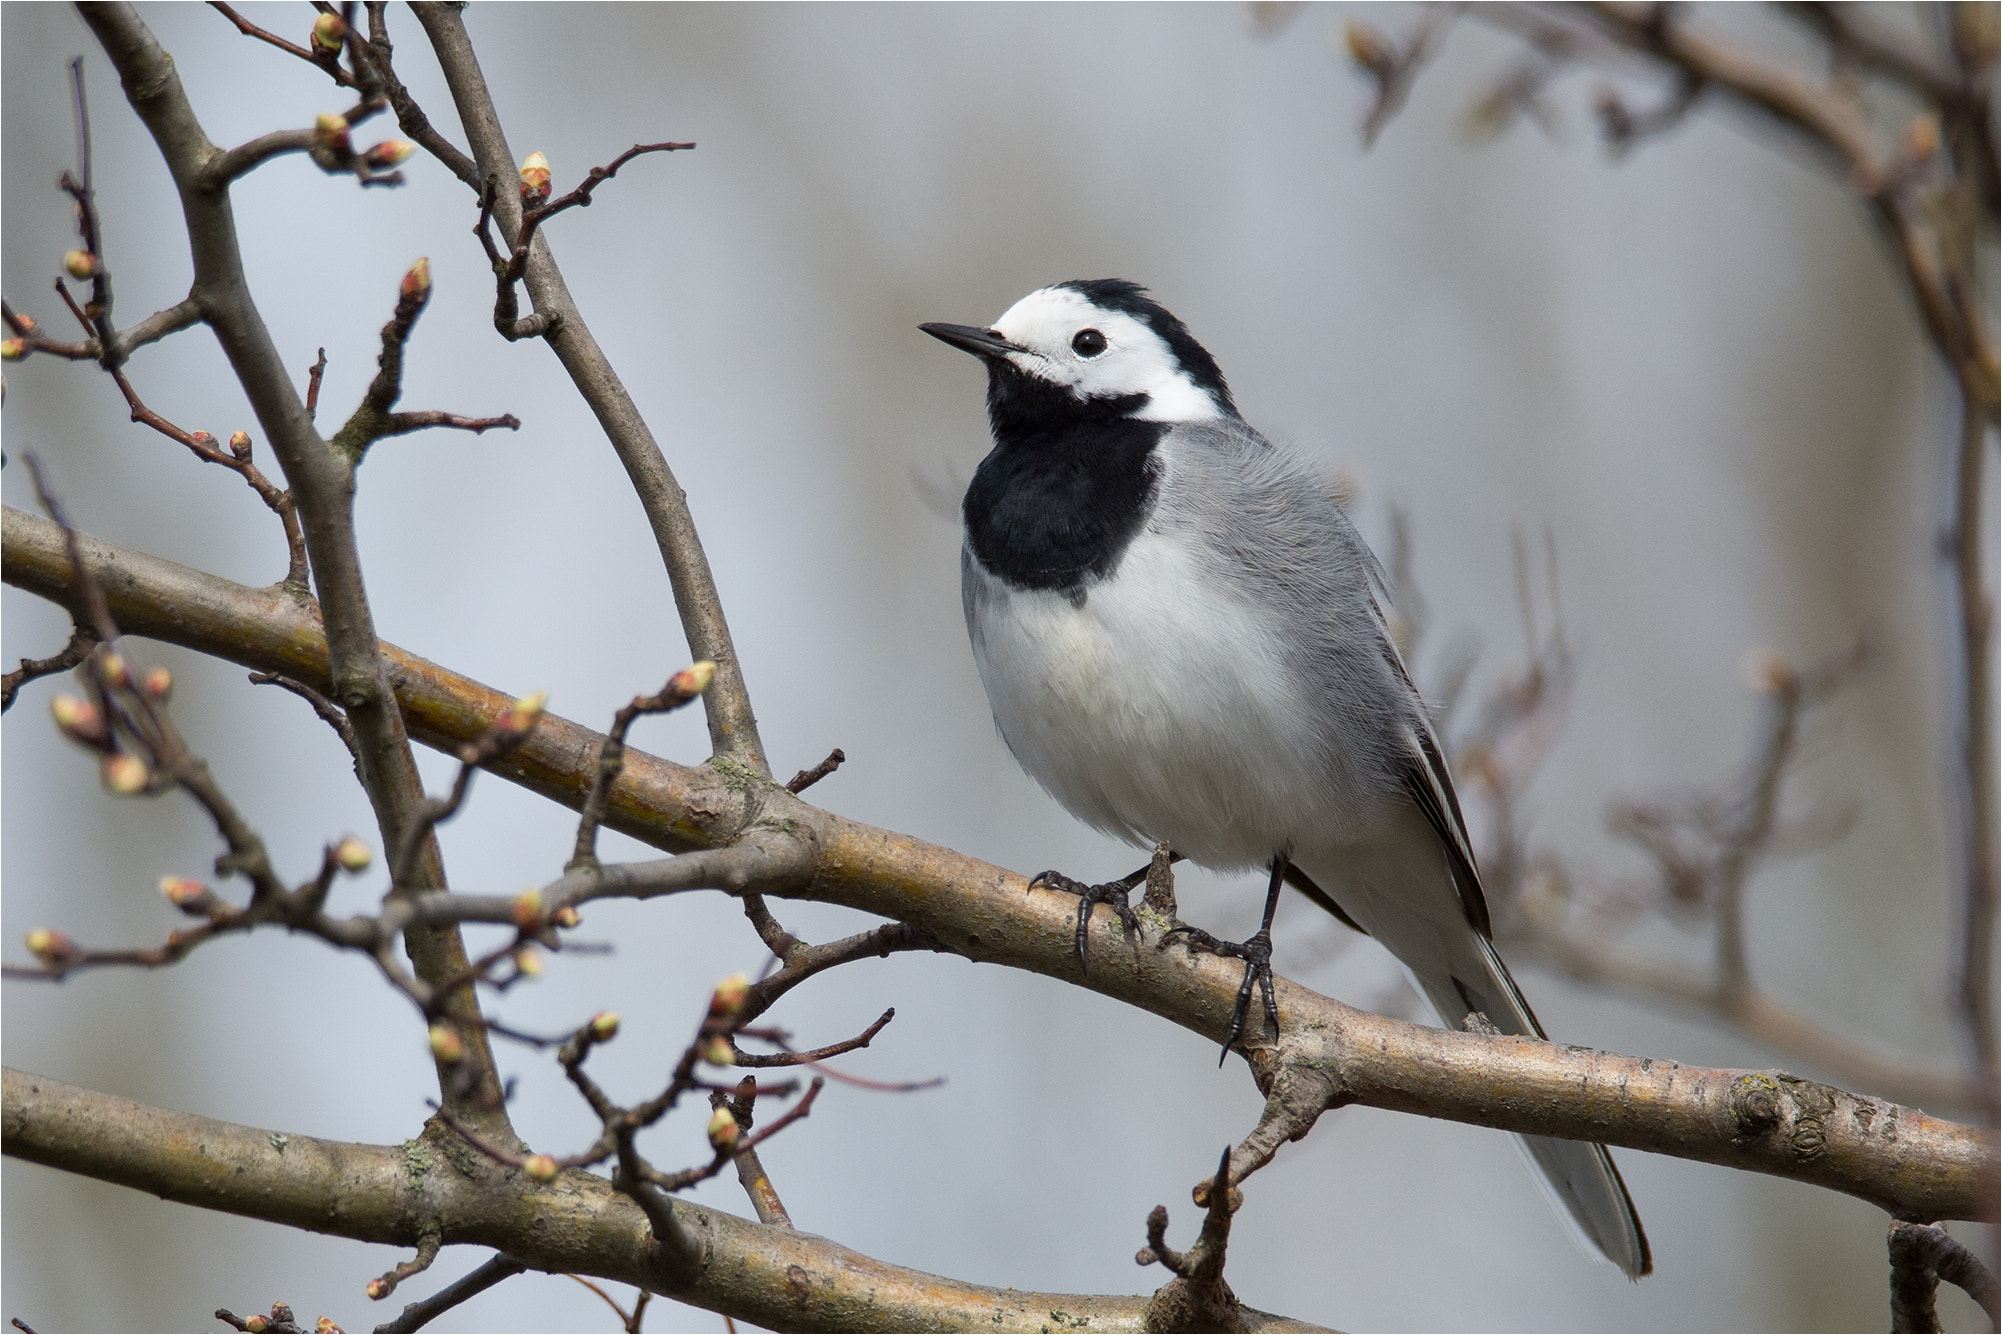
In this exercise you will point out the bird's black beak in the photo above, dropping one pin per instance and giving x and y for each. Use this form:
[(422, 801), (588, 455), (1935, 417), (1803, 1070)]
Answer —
[(965, 337)]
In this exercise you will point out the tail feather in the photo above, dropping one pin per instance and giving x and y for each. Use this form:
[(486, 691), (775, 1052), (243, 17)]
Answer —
[(1400, 889)]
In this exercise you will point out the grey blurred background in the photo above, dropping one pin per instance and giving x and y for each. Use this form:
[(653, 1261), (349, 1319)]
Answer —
[(1695, 367)]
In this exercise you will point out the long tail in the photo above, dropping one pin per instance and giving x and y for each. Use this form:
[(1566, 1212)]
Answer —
[(1402, 891)]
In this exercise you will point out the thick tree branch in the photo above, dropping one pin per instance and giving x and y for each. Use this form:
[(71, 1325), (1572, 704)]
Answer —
[(774, 1276), (1911, 1164), (733, 729)]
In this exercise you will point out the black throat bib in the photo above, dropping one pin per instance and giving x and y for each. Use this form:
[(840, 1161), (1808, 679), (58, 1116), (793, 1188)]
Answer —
[(1067, 486)]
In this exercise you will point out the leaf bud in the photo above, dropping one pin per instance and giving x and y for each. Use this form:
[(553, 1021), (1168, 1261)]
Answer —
[(1368, 47), (157, 683), (325, 1326), (1768, 672), (390, 153), (1922, 138), (203, 438), (27, 324), (379, 1288), (716, 1050), (124, 774), (53, 948), (605, 1026), (239, 444), (534, 180), (692, 681), (567, 916), (79, 719), (328, 33), (352, 855), (417, 280), (80, 264), (13, 349), (722, 1131), (189, 896), (330, 130), (729, 996), (529, 961), (257, 1323), (116, 674), (528, 910), (522, 715), (540, 1167), (446, 1045)]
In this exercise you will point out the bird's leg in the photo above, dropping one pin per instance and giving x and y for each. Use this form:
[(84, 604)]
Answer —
[(1256, 954), (1113, 893)]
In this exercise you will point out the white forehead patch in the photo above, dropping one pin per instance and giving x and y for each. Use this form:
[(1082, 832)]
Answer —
[(1136, 360)]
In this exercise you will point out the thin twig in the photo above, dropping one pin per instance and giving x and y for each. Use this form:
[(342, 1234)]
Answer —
[(418, 1314), (329, 712), (81, 642)]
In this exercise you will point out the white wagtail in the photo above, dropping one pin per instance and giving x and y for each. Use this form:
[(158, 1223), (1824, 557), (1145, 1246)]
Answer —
[(1180, 635)]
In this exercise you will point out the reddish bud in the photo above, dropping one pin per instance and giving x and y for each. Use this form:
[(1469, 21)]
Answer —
[(203, 438), (534, 180), (605, 1026), (27, 324), (13, 349), (390, 153), (352, 855), (716, 1050), (124, 774), (79, 720), (116, 674), (692, 681), (80, 264), (330, 130), (189, 896), (157, 683), (722, 1131), (446, 1045), (540, 1167), (328, 33), (257, 1323), (567, 916), (239, 444), (52, 948), (528, 910), (729, 996), (524, 713), (529, 961), (417, 280), (378, 1288)]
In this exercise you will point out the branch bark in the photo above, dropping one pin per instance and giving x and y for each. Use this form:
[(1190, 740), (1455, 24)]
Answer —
[(774, 1276), (1911, 1164)]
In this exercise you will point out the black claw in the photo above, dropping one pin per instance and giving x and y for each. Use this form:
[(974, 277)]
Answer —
[(1257, 956), (1112, 893)]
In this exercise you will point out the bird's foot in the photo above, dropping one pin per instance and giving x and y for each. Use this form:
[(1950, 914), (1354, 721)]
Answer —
[(1112, 893), (1257, 956)]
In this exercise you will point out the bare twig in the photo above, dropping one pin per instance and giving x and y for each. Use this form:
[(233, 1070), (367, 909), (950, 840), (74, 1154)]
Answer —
[(733, 727), (419, 1314), (329, 712), (1393, 70), (1197, 1298), (681, 688), (806, 778), (81, 642)]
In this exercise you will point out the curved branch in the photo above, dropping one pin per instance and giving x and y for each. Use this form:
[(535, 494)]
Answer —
[(733, 728), (774, 1276), (1913, 1165)]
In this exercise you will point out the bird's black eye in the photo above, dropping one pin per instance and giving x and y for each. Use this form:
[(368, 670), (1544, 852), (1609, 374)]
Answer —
[(1088, 343)]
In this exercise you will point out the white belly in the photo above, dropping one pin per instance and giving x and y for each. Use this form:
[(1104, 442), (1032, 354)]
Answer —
[(1158, 710)]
